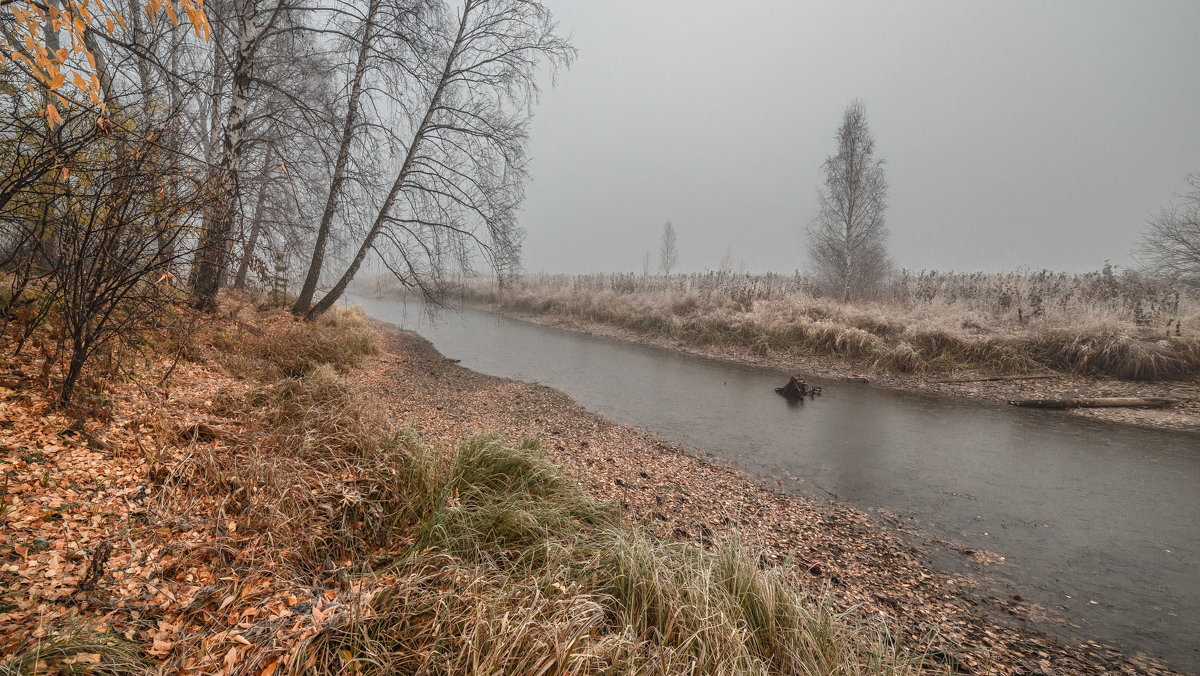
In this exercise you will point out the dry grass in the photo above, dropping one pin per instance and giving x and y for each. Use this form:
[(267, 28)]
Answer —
[(292, 348), (482, 558), (76, 652), (514, 570), (1096, 324)]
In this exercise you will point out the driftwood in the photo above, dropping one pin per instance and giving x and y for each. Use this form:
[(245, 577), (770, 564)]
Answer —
[(798, 389), (1096, 402), (993, 378)]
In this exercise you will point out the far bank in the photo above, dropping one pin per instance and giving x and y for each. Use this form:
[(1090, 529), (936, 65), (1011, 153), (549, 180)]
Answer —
[(1091, 335)]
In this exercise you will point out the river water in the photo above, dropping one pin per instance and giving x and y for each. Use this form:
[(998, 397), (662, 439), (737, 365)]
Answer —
[(1098, 523)]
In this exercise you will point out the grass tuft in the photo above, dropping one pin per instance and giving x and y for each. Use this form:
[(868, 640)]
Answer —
[(76, 652)]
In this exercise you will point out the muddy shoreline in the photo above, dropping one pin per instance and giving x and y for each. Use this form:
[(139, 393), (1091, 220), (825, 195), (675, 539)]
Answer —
[(839, 552), (1182, 416)]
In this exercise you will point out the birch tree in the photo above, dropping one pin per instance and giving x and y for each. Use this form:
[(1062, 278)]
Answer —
[(379, 40), (253, 23), (848, 238), (459, 179)]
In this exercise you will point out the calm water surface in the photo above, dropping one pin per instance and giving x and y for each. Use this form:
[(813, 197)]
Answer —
[(1097, 522)]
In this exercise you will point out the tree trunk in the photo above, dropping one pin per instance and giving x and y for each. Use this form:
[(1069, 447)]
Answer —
[(985, 379), (435, 100), (212, 257), (795, 389), (239, 281), (103, 72), (143, 68), (313, 276), (74, 370)]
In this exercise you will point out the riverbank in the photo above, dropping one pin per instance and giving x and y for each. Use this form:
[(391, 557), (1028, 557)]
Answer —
[(249, 502), (264, 496), (832, 550), (1184, 415)]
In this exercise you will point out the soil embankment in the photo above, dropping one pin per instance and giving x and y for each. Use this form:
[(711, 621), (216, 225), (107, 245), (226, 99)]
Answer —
[(839, 551)]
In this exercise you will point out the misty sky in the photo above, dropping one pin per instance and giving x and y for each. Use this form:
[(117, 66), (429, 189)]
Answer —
[(1016, 134)]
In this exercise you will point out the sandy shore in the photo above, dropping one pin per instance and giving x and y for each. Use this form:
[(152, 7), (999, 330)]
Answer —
[(1183, 416), (839, 552)]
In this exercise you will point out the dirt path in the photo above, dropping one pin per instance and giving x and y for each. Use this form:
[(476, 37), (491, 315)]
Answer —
[(839, 551), (1183, 416)]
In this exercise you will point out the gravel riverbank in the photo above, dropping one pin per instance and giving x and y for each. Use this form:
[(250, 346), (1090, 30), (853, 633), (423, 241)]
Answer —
[(840, 552)]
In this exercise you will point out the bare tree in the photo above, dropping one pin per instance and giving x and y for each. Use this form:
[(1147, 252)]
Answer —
[(379, 42), (119, 232), (1171, 245), (257, 218), (667, 254), (848, 239), (466, 106), (726, 264)]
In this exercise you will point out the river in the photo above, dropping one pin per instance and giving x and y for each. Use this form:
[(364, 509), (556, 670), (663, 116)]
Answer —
[(1096, 522)]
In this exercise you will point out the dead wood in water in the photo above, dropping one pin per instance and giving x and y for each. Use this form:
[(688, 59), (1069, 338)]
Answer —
[(797, 389), (994, 378), (1096, 402)]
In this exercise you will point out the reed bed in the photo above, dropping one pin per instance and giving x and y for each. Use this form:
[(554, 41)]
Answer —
[(1102, 323)]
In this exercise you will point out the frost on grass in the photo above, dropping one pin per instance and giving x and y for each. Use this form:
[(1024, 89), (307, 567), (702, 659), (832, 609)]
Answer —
[(1124, 326)]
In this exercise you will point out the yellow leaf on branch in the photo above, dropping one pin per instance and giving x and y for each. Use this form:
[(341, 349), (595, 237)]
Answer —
[(53, 119), (32, 23)]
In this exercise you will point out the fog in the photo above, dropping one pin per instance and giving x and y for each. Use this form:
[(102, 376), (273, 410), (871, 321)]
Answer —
[(1016, 134)]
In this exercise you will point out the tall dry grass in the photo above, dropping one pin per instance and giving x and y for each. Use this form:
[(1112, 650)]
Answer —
[(514, 570), (1101, 323)]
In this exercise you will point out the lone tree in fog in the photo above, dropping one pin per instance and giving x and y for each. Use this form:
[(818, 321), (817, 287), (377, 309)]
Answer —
[(848, 240), (1171, 245), (667, 255)]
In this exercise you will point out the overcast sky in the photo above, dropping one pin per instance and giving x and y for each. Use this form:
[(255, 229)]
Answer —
[(1016, 134)]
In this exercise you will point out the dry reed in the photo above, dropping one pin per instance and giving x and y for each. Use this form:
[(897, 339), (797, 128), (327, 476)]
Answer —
[(1102, 323)]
